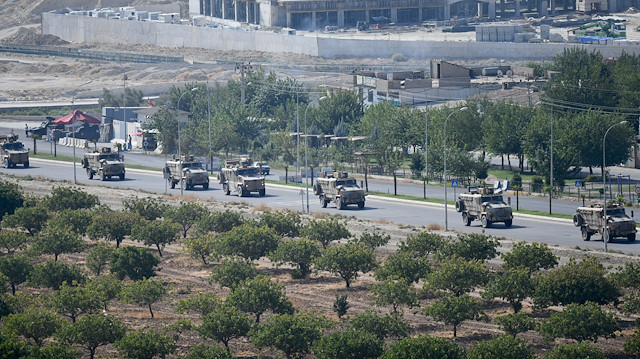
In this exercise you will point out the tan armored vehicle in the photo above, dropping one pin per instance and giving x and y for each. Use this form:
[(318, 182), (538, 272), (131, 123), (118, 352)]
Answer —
[(591, 220), (485, 205), (193, 174), (13, 152), (104, 163), (241, 178), (337, 187)]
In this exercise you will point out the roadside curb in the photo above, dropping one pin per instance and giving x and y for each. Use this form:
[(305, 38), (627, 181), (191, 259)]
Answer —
[(70, 164)]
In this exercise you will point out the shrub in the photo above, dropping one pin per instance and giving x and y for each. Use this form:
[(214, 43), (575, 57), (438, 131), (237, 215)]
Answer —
[(501, 347), (532, 256), (341, 305), (580, 322), (300, 252), (575, 351), (135, 263), (233, 271), (247, 241), (62, 198), (386, 326), (348, 344), (347, 261), (10, 198), (219, 222), (516, 180), (326, 231), (424, 347), (537, 184), (471, 246), (283, 223), (148, 208), (516, 323), (399, 58)]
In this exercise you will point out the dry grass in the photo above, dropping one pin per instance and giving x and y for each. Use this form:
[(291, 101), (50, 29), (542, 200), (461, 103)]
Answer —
[(381, 221), (434, 227), (261, 208), (320, 215)]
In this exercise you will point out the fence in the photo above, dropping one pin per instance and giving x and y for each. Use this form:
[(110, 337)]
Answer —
[(87, 54)]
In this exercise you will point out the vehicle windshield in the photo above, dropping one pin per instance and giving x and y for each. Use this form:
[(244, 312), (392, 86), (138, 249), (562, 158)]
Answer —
[(346, 182), (492, 199), (192, 165), (111, 157), (616, 212), (247, 171), (13, 146)]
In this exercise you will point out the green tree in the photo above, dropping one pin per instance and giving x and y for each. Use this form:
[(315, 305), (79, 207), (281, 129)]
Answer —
[(341, 305), (15, 269), (258, 295), (347, 261), (325, 231), (580, 322), (132, 262), (501, 347), (343, 106), (219, 222), (132, 98), (202, 303), (581, 350), (513, 286), (515, 323), (300, 253), (293, 334), (58, 240), (233, 271), (73, 300), (145, 345), (626, 80), (98, 257), (156, 232), (373, 240), (247, 241), (35, 324), (62, 198), (422, 244), (203, 351), (504, 124), (93, 331), (144, 292), (532, 256), (223, 323), (403, 265), (283, 223), (632, 344), (52, 274), (472, 246), (457, 276), (454, 310), (385, 326), (77, 219), (112, 226), (424, 347), (149, 208), (13, 240), (348, 344), (575, 283), (105, 288), (394, 292), (186, 215), (10, 198), (201, 246), (32, 219)]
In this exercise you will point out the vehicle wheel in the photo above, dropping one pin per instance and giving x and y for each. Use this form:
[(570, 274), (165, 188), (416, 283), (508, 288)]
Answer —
[(577, 220), (341, 205), (486, 223), (323, 203), (205, 186), (465, 219), (586, 236), (316, 189), (240, 191), (5, 162), (361, 204), (8, 164), (631, 237), (261, 192), (267, 173), (89, 173), (102, 176), (225, 189), (508, 223), (173, 184), (26, 164), (459, 206), (121, 176)]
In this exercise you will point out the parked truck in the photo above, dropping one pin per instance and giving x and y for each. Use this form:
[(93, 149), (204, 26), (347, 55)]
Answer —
[(239, 177), (602, 28), (188, 172), (591, 220), (13, 152), (484, 204), (104, 163), (339, 188)]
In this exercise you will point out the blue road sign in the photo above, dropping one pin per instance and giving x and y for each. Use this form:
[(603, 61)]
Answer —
[(454, 183), (578, 184)]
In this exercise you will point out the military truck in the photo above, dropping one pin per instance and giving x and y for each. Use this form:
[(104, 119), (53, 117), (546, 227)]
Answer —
[(104, 163), (591, 220), (241, 178), (13, 152), (337, 187), (193, 174), (484, 204)]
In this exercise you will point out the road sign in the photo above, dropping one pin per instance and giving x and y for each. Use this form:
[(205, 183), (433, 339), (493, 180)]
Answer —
[(454, 183), (638, 188), (578, 184), (145, 143)]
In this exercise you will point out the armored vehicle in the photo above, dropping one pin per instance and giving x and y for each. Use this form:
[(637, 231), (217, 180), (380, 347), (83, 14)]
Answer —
[(591, 220), (13, 152), (42, 129), (238, 176), (104, 163), (337, 187), (484, 204), (192, 173)]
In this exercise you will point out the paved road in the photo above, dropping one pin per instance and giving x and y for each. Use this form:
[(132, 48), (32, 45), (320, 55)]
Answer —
[(402, 212)]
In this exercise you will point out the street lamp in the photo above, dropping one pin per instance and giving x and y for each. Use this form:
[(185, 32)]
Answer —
[(73, 100), (124, 102), (446, 215), (605, 230), (180, 142), (209, 114), (295, 82), (306, 165)]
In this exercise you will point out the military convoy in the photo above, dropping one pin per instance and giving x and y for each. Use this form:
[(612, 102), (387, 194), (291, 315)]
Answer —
[(193, 174), (484, 204), (13, 152), (338, 188), (104, 163), (239, 177), (591, 220)]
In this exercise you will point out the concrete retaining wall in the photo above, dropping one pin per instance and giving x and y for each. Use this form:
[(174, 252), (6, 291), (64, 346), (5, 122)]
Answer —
[(88, 29)]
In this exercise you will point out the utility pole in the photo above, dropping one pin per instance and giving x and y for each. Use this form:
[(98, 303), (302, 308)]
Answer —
[(243, 69)]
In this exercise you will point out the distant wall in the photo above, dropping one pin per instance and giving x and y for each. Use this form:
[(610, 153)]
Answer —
[(88, 29)]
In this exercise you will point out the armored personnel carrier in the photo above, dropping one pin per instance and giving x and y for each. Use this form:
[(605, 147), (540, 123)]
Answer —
[(484, 204), (239, 177), (591, 220), (13, 152), (193, 174), (104, 163), (339, 188)]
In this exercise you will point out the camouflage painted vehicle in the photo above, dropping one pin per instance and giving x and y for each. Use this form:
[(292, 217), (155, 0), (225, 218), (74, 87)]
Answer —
[(591, 220), (193, 174), (13, 152), (104, 163), (239, 177), (485, 205), (337, 187)]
